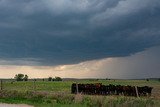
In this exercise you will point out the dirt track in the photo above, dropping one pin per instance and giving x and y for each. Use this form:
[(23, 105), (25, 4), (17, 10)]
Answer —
[(14, 105)]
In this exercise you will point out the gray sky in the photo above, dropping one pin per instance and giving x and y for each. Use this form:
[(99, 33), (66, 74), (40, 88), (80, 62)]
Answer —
[(56, 33)]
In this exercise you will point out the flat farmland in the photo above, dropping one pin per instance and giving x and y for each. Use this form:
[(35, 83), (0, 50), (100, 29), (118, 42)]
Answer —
[(58, 93)]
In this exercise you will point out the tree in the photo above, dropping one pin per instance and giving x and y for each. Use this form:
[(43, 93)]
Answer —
[(25, 78), (147, 79), (19, 77), (53, 79), (43, 79), (107, 78), (58, 79), (49, 78)]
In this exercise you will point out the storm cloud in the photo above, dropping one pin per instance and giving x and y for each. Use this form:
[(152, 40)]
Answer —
[(54, 32)]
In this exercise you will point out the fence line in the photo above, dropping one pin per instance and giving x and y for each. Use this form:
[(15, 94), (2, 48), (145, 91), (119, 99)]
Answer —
[(1, 85)]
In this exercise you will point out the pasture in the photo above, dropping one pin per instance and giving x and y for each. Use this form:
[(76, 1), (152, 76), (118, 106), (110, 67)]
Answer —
[(58, 93)]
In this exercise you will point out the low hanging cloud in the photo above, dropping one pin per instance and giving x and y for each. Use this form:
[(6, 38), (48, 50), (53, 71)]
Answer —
[(55, 32), (144, 64)]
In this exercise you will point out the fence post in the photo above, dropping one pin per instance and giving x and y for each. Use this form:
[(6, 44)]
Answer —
[(34, 84), (77, 88), (136, 91), (1, 85)]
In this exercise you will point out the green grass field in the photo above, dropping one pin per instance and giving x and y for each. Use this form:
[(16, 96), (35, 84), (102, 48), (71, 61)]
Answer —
[(58, 94)]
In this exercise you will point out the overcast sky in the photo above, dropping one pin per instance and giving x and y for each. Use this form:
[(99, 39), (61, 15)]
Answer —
[(80, 38)]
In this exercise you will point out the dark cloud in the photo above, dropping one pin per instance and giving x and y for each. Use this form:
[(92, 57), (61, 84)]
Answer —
[(56, 32)]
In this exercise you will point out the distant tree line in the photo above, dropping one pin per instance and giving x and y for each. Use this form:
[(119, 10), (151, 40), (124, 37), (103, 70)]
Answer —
[(24, 77), (54, 79), (21, 77)]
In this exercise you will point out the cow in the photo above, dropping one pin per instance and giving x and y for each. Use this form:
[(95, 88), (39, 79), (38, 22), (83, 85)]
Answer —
[(73, 88), (99, 89), (146, 90)]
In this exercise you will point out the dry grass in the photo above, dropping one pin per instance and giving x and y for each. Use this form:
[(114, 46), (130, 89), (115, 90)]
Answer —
[(78, 98)]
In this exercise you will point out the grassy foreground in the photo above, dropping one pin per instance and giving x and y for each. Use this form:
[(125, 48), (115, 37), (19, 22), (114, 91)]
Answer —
[(57, 94)]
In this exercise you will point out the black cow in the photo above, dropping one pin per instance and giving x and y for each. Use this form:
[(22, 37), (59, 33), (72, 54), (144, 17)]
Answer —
[(110, 89)]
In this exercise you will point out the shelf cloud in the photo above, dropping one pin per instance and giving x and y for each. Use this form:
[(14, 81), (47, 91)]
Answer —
[(56, 32)]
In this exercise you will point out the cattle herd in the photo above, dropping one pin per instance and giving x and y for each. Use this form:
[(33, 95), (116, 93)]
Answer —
[(99, 89)]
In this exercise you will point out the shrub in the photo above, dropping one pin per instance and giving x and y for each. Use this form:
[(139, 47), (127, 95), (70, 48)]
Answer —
[(50, 79), (58, 79)]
